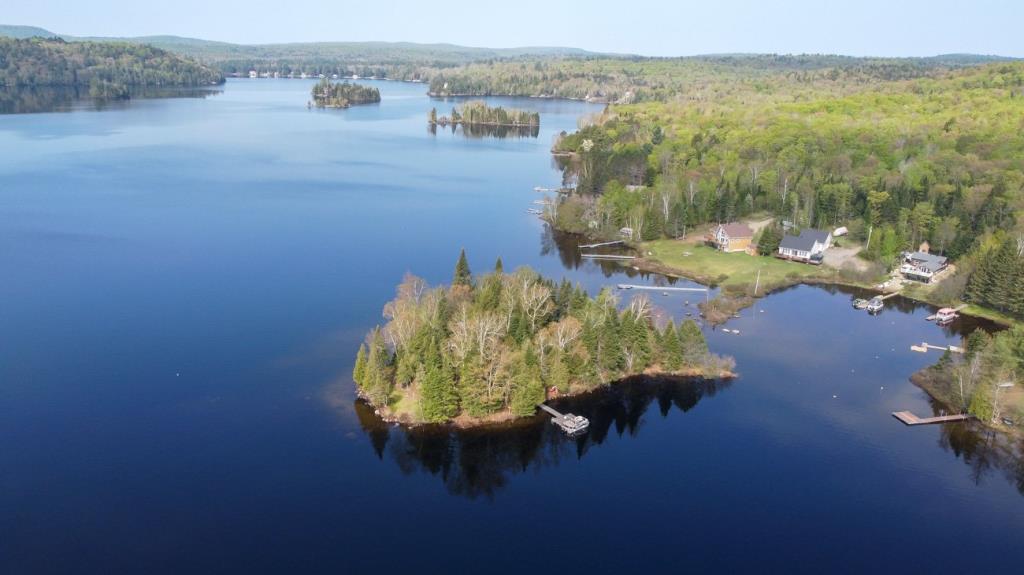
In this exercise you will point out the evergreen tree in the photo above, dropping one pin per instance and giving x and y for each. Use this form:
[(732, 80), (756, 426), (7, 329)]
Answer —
[(691, 338), (360, 368), (672, 350), (499, 268), (462, 277)]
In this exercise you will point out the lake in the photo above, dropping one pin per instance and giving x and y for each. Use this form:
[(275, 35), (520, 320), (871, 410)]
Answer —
[(186, 281)]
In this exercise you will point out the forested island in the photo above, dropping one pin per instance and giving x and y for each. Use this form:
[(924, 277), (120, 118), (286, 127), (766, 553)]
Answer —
[(491, 347), (478, 113), (107, 69), (327, 94)]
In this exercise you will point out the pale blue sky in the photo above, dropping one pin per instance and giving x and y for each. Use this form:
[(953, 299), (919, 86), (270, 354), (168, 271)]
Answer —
[(660, 28)]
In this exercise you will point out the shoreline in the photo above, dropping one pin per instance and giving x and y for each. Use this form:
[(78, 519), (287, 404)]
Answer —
[(463, 421)]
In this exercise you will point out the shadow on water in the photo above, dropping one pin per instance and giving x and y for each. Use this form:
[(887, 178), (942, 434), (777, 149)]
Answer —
[(480, 462), (41, 99)]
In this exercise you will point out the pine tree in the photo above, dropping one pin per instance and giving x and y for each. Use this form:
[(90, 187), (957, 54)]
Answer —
[(694, 346), (672, 350), (360, 368), (462, 277), (499, 268)]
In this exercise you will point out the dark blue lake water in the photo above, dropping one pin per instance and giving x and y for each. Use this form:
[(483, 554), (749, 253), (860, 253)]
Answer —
[(183, 285)]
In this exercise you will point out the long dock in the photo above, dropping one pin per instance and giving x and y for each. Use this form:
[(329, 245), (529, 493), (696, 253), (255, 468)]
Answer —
[(571, 424), (616, 242), (607, 257), (924, 347), (659, 288), (910, 419)]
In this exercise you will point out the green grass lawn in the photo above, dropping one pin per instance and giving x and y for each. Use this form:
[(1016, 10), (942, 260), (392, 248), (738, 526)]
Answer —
[(708, 265)]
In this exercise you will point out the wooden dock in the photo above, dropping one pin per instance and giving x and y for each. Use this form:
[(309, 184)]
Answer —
[(607, 257), (659, 288), (924, 347), (571, 424), (616, 242), (910, 419)]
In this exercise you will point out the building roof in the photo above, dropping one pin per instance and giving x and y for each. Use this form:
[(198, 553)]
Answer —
[(736, 230), (805, 241), (927, 262)]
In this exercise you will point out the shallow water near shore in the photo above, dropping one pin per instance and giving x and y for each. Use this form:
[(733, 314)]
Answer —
[(186, 282)]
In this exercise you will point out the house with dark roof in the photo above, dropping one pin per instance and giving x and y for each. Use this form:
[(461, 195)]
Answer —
[(807, 247), (731, 237), (922, 266)]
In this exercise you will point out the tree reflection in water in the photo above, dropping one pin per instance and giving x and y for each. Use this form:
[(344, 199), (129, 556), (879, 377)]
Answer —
[(983, 450), (479, 462), (478, 131)]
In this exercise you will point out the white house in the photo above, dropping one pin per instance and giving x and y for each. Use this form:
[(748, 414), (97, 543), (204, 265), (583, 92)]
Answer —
[(922, 266), (807, 247)]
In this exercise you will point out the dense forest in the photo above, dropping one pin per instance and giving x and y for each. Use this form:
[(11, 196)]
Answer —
[(691, 79), (108, 69), (478, 112), (327, 94), (938, 159), (496, 343)]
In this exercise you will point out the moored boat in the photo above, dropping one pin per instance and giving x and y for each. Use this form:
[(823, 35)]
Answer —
[(875, 305), (945, 316)]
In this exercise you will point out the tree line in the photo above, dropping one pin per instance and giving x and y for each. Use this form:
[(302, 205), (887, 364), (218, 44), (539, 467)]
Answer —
[(498, 342), (109, 69), (479, 113), (327, 94)]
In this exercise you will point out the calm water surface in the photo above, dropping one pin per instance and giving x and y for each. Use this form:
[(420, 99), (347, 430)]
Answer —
[(184, 284)]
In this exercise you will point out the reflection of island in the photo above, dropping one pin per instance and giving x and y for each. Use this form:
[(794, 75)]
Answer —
[(489, 131), (480, 461)]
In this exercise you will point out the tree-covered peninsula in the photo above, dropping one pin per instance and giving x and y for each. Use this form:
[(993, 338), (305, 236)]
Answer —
[(108, 69), (327, 94), (478, 113), (492, 347)]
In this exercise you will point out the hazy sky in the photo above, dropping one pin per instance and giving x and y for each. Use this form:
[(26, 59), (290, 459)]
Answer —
[(661, 28)]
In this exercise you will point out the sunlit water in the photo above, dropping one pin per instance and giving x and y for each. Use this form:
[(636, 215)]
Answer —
[(184, 284)]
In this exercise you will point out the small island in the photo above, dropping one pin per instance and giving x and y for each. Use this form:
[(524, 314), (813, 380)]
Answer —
[(491, 348), (327, 94), (477, 113)]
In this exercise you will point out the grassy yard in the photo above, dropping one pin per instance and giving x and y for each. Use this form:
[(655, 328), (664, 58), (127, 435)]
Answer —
[(708, 265)]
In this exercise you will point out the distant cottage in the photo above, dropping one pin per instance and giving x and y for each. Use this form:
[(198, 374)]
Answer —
[(731, 237), (808, 247)]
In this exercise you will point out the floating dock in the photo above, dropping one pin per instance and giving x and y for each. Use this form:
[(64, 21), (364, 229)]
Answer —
[(910, 419), (571, 424)]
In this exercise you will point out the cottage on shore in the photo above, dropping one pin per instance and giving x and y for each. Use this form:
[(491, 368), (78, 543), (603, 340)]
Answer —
[(922, 266), (808, 247), (731, 237)]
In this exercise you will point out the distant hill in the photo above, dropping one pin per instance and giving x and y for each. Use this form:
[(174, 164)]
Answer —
[(25, 32)]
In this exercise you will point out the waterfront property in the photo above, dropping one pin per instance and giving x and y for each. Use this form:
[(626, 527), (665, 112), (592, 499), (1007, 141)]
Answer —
[(734, 237), (922, 266), (808, 247)]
